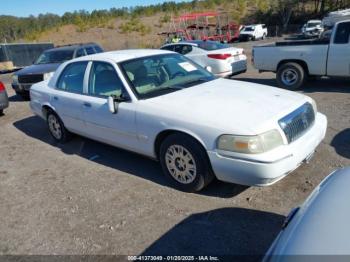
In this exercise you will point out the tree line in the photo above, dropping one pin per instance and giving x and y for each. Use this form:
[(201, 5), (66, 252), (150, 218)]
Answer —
[(18, 28)]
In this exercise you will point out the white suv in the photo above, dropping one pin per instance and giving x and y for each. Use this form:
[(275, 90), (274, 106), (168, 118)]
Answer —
[(253, 32)]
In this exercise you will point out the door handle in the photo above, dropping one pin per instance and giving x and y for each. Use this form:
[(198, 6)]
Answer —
[(55, 98), (86, 104)]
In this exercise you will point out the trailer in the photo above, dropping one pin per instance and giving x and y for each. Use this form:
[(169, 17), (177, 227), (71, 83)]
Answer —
[(18, 55), (211, 25)]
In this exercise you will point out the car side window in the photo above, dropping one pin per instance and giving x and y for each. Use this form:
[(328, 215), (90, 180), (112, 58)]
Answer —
[(343, 33), (186, 49), (104, 81), (80, 52), (169, 47), (89, 50), (72, 78), (178, 48)]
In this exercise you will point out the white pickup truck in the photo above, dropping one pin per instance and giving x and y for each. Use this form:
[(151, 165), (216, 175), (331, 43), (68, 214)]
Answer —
[(294, 61)]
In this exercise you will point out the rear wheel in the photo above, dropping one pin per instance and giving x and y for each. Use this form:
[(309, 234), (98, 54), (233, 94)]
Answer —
[(185, 162), (57, 128), (290, 76), (1, 112)]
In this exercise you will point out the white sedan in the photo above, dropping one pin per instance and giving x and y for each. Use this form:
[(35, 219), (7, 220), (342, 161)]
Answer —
[(162, 105), (221, 58)]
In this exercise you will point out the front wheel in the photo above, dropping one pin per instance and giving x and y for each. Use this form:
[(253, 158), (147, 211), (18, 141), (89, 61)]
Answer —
[(290, 76), (185, 162), (57, 128)]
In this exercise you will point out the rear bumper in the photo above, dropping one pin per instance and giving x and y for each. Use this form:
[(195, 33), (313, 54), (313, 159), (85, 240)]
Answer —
[(4, 101), (233, 68), (263, 173), (21, 87)]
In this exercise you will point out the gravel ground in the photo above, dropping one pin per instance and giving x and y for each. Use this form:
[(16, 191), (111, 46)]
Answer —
[(85, 197)]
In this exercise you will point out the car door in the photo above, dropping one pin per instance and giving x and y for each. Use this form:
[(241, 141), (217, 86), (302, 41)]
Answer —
[(339, 52), (117, 129), (67, 96)]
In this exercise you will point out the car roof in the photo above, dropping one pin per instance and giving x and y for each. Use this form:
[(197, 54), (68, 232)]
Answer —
[(123, 55), (321, 226), (191, 42), (70, 47)]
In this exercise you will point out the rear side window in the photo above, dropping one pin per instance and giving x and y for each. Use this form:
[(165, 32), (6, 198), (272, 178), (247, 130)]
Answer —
[(90, 50), (169, 47), (343, 33), (186, 49), (104, 80), (72, 78), (98, 49), (80, 52)]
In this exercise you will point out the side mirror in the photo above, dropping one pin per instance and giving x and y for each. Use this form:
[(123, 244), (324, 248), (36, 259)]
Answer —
[(111, 105), (114, 101), (208, 68)]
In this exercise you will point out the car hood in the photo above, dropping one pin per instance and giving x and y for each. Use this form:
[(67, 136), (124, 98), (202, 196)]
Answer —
[(228, 105), (38, 69)]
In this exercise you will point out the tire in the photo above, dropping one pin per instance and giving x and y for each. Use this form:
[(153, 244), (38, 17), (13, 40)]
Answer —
[(1, 112), (290, 76), (263, 37), (24, 95), (56, 128), (185, 163)]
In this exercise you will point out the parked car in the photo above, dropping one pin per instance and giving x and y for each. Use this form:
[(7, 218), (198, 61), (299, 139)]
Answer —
[(253, 32), (294, 61), (313, 28), (4, 101), (337, 16), (221, 58), (320, 226), (44, 67), (163, 105)]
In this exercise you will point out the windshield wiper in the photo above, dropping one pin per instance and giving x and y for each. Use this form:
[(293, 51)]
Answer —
[(199, 80)]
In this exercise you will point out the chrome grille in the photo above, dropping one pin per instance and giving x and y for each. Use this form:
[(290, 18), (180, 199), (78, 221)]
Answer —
[(30, 79), (295, 124)]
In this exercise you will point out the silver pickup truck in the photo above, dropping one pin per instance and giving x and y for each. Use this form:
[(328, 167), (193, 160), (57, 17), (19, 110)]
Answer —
[(295, 61)]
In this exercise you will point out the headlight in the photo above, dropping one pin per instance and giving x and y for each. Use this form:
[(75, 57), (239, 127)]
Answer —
[(314, 105), (251, 144), (48, 75), (15, 79)]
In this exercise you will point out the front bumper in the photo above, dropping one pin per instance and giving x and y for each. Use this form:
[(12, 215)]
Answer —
[(263, 171)]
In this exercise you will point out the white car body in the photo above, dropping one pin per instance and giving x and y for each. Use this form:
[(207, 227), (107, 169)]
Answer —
[(312, 28), (322, 58), (205, 112), (253, 32), (235, 62), (320, 226)]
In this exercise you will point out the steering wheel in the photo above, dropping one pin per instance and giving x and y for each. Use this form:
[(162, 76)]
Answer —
[(177, 74)]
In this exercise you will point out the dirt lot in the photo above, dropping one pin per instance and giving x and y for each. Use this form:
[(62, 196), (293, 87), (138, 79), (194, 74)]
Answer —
[(89, 198)]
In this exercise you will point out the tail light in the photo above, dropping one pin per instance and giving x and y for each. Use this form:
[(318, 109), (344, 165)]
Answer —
[(219, 56), (2, 87)]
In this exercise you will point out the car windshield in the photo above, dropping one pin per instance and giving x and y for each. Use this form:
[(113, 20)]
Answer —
[(312, 24), (55, 56), (161, 74), (249, 29), (210, 46)]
